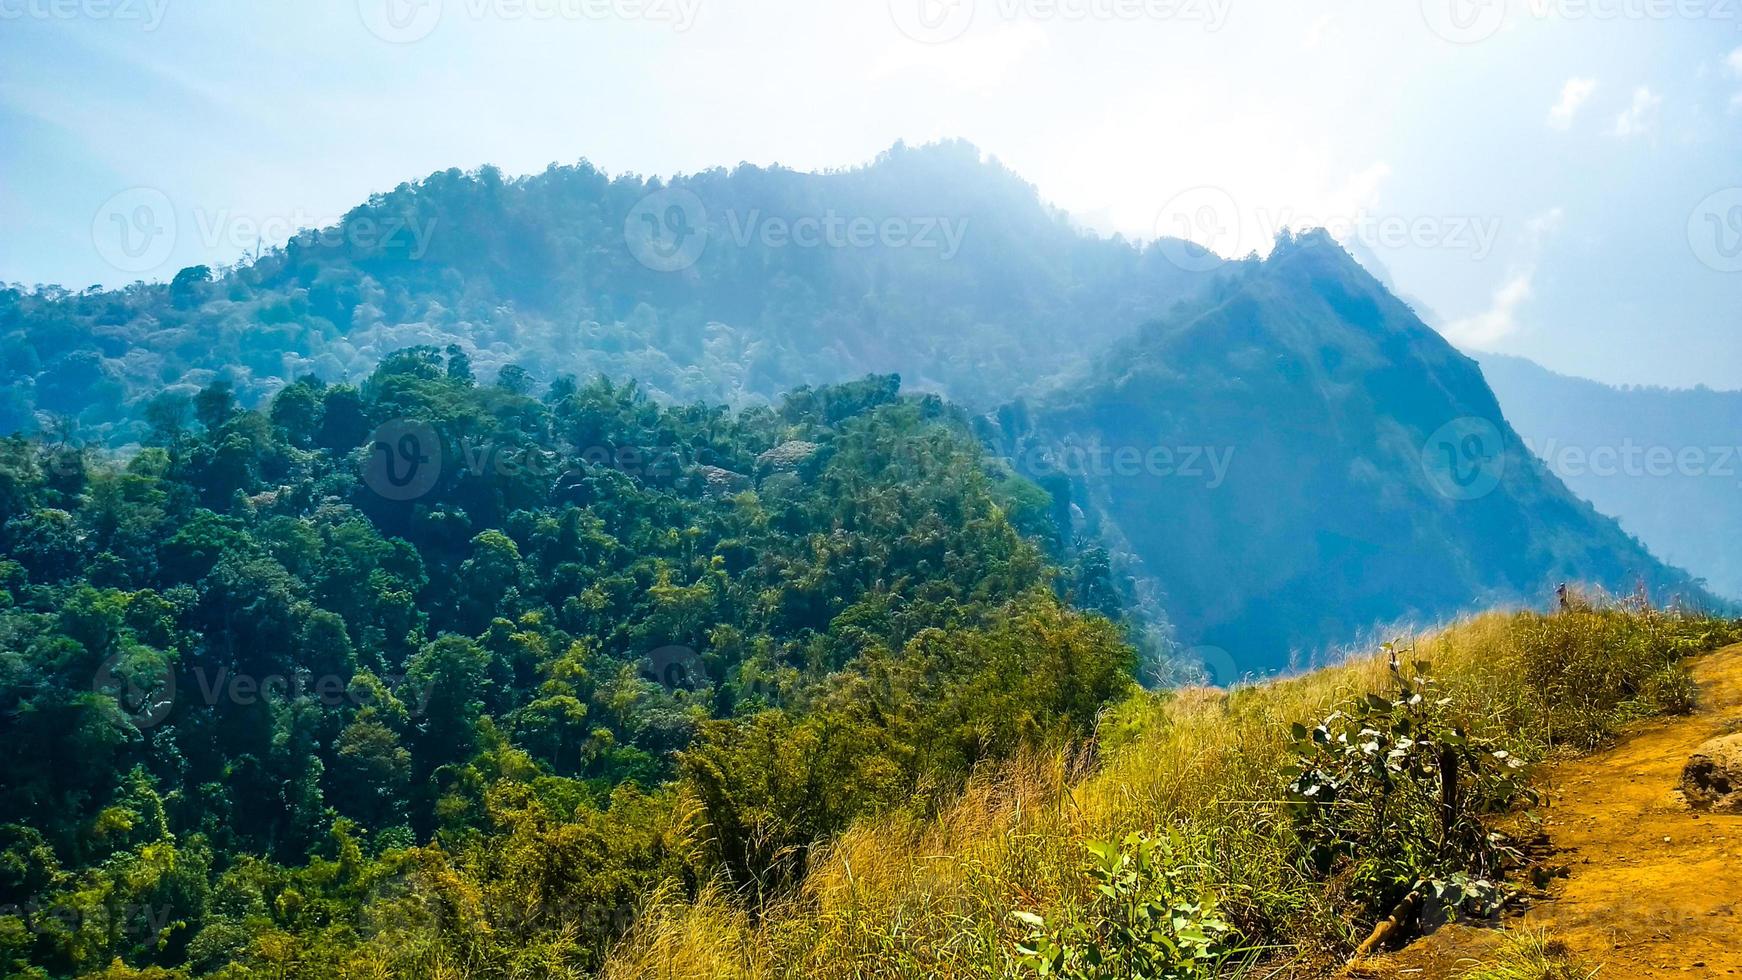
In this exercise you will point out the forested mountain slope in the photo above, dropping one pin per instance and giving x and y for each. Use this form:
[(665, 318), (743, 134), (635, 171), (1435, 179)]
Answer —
[(518, 552), (1288, 403), (1304, 458), (734, 286), (290, 682)]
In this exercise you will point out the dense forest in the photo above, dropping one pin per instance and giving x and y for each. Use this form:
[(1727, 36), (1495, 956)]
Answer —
[(289, 690), (1291, 402)]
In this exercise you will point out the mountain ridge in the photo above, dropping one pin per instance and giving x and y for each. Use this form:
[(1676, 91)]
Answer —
[(1331, 396), (737, 286)]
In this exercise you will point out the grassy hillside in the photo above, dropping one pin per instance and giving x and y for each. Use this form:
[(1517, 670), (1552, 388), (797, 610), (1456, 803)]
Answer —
[(1204, 778)]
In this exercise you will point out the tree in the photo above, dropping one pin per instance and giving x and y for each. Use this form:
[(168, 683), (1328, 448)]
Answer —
[(513, 378), (297, 411), (450, 675), (187, 288), (344, 421), (214, 404)]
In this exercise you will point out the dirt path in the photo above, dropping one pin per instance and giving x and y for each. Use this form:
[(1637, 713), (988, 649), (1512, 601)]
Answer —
[(1653, 888)]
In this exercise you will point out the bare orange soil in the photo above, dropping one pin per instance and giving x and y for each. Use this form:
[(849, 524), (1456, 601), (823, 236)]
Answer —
[(1652, 887)]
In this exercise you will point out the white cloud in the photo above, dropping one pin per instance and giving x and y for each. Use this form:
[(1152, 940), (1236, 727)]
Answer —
[(1640, 117), (1500, 320), (1539, 228), (1361, 191), (1733, 65), (1497, 322), (1573, 97), (1343, 208)]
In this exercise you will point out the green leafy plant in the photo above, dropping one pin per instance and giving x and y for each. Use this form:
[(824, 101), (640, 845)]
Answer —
[(1390, 793), (1150, 920)]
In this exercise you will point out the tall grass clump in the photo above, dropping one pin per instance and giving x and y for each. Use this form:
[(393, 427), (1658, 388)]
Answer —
[(1181, 825), (1531, 955)]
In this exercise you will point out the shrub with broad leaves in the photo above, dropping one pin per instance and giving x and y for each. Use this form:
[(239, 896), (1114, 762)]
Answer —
[(1150, 919), (1389, 793)]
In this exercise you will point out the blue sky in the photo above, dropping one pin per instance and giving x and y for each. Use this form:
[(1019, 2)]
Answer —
[(1560, 179)]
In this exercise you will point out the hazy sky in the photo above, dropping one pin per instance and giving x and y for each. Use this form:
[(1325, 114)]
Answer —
[(1560, 179)]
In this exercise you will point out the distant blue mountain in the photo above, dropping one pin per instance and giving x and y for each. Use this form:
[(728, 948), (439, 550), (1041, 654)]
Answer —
[(1667, 463)]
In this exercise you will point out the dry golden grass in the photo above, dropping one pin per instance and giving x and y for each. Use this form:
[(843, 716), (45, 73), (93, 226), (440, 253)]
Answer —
[(900, 896)]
